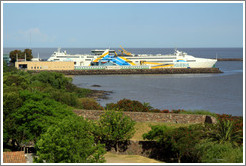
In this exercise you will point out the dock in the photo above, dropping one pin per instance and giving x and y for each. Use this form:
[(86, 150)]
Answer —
[(138, 71)]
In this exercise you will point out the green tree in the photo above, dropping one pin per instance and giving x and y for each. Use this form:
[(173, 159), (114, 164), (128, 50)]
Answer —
[(114, 126), (28, 53), (69, 141), (35, 115), (21, 55), (15, 53)]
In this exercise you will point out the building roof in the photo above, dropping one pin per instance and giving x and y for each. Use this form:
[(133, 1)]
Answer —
[(14, 157)]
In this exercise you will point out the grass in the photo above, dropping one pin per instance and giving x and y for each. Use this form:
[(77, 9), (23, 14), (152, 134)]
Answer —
[(144, 127), (118, 158)]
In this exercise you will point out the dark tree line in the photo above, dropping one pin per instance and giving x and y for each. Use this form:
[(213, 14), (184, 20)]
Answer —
[(21, 55)]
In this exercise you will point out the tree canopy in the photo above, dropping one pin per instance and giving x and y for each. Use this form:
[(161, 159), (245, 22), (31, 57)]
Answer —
[(69, 141), (21, 55)]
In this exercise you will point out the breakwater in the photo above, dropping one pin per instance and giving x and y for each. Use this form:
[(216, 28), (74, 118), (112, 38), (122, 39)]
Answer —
[(230, 59), (137, 71)]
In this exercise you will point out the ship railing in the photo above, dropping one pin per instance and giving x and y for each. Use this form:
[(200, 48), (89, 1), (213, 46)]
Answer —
[(135, 67), (110, 67), (89, 67)]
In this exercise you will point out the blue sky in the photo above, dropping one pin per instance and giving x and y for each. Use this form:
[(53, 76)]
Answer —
[(136, 25)]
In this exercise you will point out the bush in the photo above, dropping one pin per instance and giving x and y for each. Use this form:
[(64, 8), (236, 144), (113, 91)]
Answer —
[(225, 132), (129, 105), (64, 97), (56, 80), (69, 141), (179, 142), (164, 111), (89, 104), (211, 152)]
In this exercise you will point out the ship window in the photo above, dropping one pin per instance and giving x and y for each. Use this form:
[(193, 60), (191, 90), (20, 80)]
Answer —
[(31, 67), (75, 63), (40, 67), (88, 59), (191, 60), (35, 67)]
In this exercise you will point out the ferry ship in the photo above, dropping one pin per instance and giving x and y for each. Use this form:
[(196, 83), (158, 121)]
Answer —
[(110, 58)]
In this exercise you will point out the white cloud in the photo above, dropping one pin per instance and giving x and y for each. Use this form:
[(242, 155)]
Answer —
[(35, 35)]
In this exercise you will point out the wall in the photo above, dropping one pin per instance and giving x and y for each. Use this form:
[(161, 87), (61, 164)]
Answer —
[(152, 117), (45, 65)]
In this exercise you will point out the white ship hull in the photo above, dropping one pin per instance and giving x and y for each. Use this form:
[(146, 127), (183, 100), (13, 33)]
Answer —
[(108, 58)]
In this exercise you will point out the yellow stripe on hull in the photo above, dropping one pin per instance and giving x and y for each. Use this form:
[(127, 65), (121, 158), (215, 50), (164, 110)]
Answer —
[(162, 66), (129, 61), (100, 57), (152, 63)]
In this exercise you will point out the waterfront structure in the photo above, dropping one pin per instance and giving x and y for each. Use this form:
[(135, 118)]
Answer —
[(44, 65)]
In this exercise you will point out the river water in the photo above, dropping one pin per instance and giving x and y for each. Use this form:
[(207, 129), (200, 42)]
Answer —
[(219, 93)]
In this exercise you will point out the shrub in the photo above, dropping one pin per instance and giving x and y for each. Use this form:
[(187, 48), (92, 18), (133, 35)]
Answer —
[(211, 152), (164, 111), (56, 80), (89, 104), (64, 97), (129, 105), (179, 142), (225, 132), (177, 111)]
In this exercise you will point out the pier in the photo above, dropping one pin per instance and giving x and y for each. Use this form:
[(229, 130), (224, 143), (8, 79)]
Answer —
[(138, 71)]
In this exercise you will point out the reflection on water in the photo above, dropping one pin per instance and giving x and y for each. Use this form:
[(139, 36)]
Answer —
[(220, 93)]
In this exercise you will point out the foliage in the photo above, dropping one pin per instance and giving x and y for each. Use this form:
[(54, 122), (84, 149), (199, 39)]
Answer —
[(21, 55), (178, 141), (64, 97), (237, 120), (69, 141), (56, 80), (81, 92), (130, 105), (29, 106), (89, 104), (157, 132), (115, 126), (211, 152), (34, 116), (225, 133)]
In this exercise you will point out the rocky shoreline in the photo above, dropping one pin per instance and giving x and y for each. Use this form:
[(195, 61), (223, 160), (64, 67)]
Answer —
[(99, 94)]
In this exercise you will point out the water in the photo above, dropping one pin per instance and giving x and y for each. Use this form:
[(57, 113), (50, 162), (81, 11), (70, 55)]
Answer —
[(219, 93), (198, 52)]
